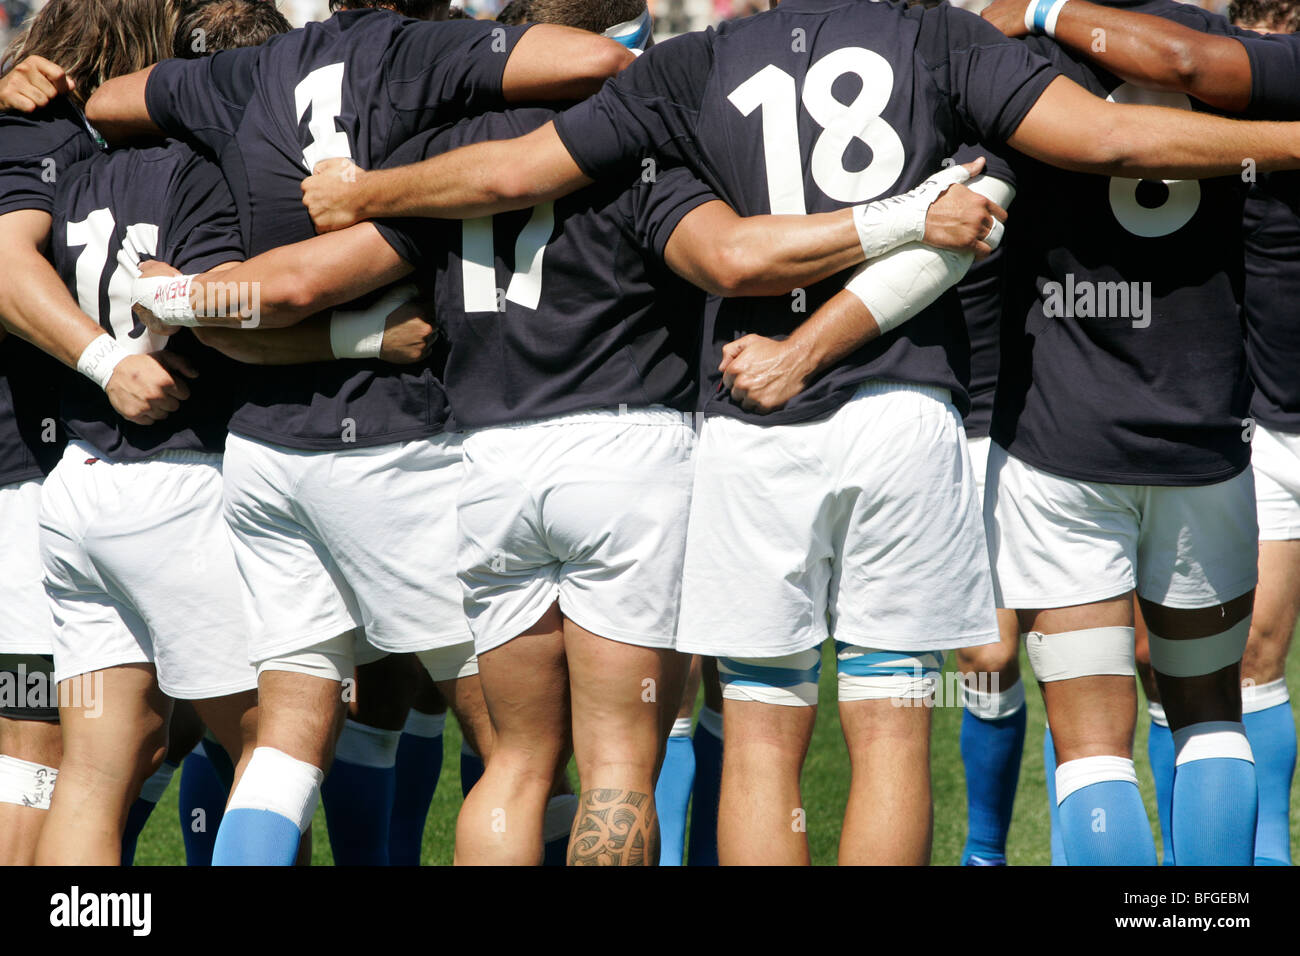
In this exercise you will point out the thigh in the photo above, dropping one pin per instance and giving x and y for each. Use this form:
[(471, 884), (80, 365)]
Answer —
[(1277, 606), (121, 733), (526, 687)]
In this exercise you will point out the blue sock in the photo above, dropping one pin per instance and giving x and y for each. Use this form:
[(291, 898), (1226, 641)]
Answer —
[(202, 803), (419, 764), (560, 812), (1160, 751), (1270, 725), (1103, 819), (1216, 795), (673, 793), (268, 811), (471, 768), (1053, 811), (358, 794), (703, 847), (991, 746), (138, 815)]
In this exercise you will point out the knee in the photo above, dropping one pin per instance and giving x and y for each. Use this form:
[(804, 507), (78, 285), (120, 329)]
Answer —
[(1001, 659)]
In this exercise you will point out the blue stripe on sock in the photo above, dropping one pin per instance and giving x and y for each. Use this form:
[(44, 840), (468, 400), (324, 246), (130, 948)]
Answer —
[(672, 798), (1105, 824), (256, 838)]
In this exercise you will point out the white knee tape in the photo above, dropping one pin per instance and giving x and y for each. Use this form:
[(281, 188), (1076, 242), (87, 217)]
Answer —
[(277, 782), (1212, 739), (869, 674), (1257, 697), (1076, 774), (367, 746), (993, 704), (788, 681), (25, 783), (1200, 655), (1093, 652)]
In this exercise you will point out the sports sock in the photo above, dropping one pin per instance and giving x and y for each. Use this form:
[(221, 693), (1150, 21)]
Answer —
[(1053, 811), (992, 742), (471, 767), (138, 815), (419, 764), (1103, 820), (202, 802), (1270, 726), (1160, 751), (1215, 795), (703, 846), (560, 811), (358, 794), (673, 792), (268, 811)]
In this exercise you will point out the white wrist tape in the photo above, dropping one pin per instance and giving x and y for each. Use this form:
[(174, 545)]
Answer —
[(167, 297), (1002, 193), (100, 359), (1041, 16), (886, 224), (360, 334)]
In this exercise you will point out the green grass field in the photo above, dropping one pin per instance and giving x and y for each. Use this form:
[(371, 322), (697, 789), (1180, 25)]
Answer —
[(825, 784)]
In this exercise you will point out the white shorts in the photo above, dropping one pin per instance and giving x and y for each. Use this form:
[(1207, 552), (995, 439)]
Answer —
[(979, 463), (864, 526), (589, 509), (25, 623), (331, 541), (1059, 542), (1275, 457), (139, 569)]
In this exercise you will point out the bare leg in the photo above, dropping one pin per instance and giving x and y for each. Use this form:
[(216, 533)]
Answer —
[(38, 742)]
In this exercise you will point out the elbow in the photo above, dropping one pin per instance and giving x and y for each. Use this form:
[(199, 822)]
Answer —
[(1182, 64)]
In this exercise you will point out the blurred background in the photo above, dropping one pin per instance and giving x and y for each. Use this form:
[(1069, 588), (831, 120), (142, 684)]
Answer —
[(671, 16)]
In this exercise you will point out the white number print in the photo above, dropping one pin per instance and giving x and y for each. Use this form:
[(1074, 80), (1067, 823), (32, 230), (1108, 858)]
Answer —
[(1184, 196), (773, 90), (478, 255), (94, 233), (322, 90)]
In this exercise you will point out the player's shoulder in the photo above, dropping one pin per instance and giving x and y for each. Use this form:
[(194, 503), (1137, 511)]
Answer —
[(1186, 14), (44, 132)]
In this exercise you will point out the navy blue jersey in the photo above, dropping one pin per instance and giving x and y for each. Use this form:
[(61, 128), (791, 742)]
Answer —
[(568, 306), (813, 106), (1272, 292), (1123, 356), (35, 151), (980, 296), (357, 85), (115, 211), (1274, 72)]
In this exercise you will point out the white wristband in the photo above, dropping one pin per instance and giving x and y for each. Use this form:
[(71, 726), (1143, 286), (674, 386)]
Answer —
[(100, 359), (167, 297), (1041, 16), (360, 334), (889, 223)]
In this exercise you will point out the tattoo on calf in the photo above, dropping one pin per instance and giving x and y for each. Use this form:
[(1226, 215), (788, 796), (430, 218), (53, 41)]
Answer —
[(615, 828)]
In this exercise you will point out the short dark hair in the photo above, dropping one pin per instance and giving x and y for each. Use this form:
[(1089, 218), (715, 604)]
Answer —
[(458, 13), (594, 15), (416, 9), (1280, 16), (210, 26), (515, 13)]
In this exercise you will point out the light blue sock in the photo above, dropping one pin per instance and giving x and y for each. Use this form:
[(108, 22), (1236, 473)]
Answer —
[(202, 803), (673, 793), (471, 768), (138, 815), (1053, 811), (268, 811), (992, 742), (703, 846), (1160, 751), (358, 794), (1270, 725), (419, 764), (1215, 795), (1103, 820)]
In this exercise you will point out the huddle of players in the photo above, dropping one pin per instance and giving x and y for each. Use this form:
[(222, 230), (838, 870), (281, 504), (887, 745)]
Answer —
[(571, 520)]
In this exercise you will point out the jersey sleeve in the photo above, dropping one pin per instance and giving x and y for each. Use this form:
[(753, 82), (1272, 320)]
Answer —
[(1274, 74), (461, 63), (664, 204), (202, 225), (31, 166), (650, 109), (993, 81), (411, 238), (202, 100)]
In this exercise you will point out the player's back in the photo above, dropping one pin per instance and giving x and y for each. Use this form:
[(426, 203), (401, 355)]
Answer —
[(1122, 359), (1272, 240), (114, 211), (565, 307)]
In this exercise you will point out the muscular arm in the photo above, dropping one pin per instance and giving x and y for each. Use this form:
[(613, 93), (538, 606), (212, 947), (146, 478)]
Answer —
[(308, 342), (1152, 52), (554, 63), (1070, 128), (117, 109)]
